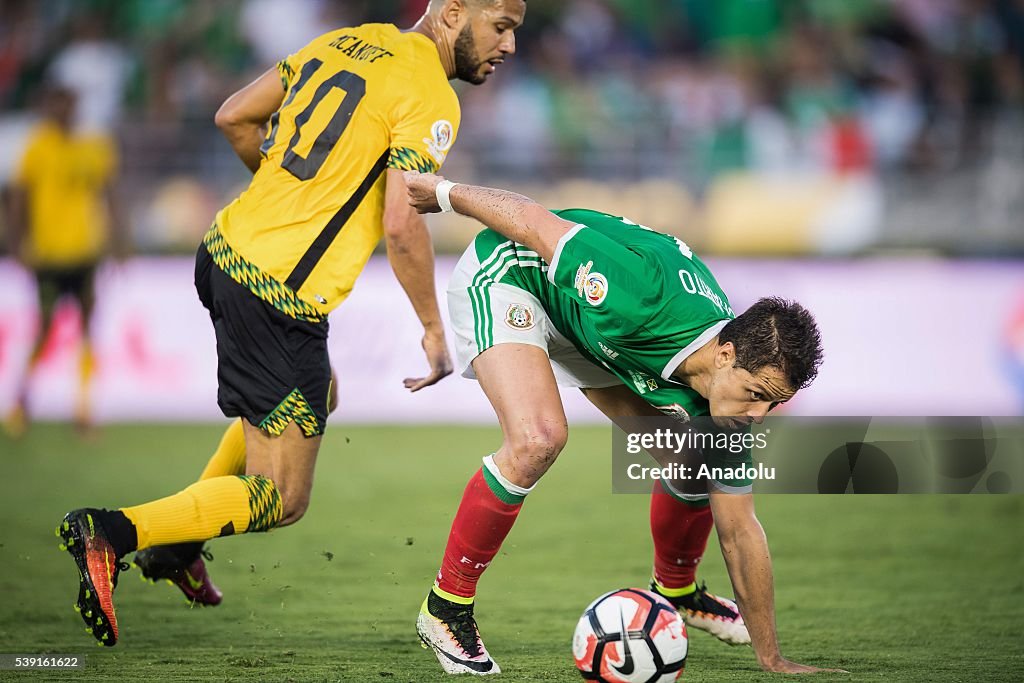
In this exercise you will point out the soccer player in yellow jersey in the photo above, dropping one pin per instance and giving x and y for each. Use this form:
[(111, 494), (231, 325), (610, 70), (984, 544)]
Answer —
[(61, 212), (328, 134)]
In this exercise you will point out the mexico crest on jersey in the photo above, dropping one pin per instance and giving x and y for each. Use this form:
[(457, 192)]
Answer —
[(442, 135), (675, 411), (519, 317)]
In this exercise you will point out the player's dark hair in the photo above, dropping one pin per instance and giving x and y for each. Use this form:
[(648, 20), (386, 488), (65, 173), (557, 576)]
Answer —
[(776, 333)]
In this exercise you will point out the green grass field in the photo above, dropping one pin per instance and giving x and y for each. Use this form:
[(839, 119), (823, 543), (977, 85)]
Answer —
[(893, 588)]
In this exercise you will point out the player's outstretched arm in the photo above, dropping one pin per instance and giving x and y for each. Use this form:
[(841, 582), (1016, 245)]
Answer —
[(411, 254), (243, 116), (745, 549), (515, 216)]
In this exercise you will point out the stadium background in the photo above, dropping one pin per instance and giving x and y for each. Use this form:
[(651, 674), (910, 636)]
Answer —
[(866, 158)]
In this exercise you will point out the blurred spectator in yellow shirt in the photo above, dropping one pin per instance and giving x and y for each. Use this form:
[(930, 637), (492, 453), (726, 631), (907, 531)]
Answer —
[(62, 219)]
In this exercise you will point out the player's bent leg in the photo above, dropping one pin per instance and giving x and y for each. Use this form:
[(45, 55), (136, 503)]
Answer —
[(92, 541), (289, 459), (221, 506), (680, 529), (534, 431), (183, 564), (99, 539), (533, 425)]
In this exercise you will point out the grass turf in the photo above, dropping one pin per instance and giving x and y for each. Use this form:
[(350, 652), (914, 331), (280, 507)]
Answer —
[(893, 588)]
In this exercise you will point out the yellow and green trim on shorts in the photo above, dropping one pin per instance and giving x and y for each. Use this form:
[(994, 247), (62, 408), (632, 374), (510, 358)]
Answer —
[(241, 270), (294, 408)]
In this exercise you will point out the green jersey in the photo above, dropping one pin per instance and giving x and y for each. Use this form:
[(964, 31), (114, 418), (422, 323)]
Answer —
[(634, 301)]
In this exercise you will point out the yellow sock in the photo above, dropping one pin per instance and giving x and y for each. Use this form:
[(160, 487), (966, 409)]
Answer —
[(221, 506), (229, 458), (86, 368), (86, 364)]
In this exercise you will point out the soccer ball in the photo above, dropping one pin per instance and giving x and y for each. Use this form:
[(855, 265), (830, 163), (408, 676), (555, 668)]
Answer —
[(630, 636)]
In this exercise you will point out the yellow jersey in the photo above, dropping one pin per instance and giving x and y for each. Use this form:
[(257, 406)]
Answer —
[(358, 100), (65, 177)]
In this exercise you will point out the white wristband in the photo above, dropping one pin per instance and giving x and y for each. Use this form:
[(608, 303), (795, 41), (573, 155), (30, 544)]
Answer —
[(443, 192)]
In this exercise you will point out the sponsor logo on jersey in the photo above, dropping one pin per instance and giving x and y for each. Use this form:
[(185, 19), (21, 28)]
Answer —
[(442, 135), (596, 288), (652, 384), (519, 317), (607, 351)]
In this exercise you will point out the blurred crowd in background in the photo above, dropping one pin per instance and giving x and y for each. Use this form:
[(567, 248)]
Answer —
[(923, 98)]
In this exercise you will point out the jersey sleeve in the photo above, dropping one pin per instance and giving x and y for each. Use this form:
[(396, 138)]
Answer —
[(424, 125), (286, 70), (290, 68), (102, 156), (612, 282)]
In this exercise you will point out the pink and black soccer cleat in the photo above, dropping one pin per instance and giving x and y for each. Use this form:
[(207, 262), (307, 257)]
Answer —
[(181, 565)]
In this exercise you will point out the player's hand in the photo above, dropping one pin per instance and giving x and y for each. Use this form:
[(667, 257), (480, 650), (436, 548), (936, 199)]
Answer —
[(422, 187), (440, 363), (782, 665)]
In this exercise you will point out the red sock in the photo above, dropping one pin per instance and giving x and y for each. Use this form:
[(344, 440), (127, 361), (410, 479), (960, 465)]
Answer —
[(486, 515), (680, 534)]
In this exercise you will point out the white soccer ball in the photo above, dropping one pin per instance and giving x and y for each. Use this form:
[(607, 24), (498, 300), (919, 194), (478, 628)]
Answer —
[(630, 636)]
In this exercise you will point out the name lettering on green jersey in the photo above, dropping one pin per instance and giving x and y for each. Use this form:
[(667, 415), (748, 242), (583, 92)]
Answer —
[(359, 49), (694, 284)]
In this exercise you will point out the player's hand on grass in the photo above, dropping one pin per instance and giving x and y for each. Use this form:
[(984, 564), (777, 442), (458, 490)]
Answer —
[(436, 349), (422, 187), (782, 665)]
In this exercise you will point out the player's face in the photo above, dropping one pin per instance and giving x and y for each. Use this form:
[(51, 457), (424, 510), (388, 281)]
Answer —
[(738, 397), (60, 107), (485, 40)]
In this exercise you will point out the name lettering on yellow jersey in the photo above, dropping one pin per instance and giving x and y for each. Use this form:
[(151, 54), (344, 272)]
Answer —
[(359, 49)]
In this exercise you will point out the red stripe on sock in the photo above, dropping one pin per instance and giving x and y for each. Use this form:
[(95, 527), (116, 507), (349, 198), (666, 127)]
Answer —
[(680, 533), (481, 524)]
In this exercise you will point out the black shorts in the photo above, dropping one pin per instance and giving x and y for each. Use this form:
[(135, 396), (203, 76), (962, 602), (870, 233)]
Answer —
[(271, 368), (76, 282)]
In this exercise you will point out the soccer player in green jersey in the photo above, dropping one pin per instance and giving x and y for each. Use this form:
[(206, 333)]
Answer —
[(636, 321)]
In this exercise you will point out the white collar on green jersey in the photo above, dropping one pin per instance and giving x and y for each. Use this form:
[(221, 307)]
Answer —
[(705, 336)]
